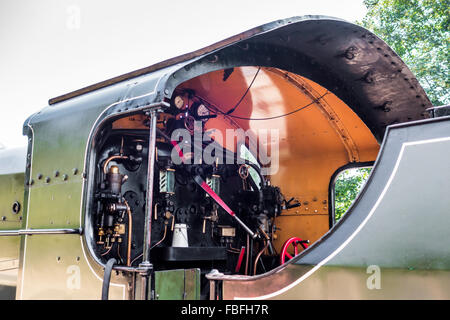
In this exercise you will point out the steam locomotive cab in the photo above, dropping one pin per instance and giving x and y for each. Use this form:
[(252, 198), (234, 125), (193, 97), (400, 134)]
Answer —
[(210, 175), (218, 215), (238, 190)]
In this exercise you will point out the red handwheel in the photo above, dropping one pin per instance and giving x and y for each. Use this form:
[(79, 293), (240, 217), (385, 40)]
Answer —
[(295, 242)]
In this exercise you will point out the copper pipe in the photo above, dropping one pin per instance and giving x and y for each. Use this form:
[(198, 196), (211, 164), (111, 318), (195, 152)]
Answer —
[(107, 251), (265, 234), (137, 258), (258, 256), (105, 165), (234, 249), (130, 230), (246, 259), (164, 236), (118, 252)]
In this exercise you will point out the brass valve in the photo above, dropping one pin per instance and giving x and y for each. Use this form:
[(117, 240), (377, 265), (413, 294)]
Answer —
[(214, 217), (169, 216), (101, 233)]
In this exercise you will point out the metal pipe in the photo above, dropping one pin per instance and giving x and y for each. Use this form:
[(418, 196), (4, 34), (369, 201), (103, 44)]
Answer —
[(146, 264), (258, 256), (243, 225), (163, 238), (248, 252), (250, 249), (8, 233), (136, 258), (149, 196), (129, 269), (107, 251), (105, 165), (130, 231), (144, 286)]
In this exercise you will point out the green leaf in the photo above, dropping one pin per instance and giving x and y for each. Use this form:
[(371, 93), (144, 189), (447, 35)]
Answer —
[(347, 187)]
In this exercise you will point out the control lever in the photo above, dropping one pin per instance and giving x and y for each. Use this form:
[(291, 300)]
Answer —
[(222, 204), (289, 205), (212, 194)]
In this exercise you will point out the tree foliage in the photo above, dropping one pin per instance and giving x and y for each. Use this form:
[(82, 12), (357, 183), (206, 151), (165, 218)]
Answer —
[(347, 187), (418, 31)]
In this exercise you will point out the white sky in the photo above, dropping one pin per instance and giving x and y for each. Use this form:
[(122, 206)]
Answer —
[(51, 47)]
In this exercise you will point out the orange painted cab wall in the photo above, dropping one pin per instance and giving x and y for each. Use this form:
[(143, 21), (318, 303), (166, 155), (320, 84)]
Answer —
[(312, 143)]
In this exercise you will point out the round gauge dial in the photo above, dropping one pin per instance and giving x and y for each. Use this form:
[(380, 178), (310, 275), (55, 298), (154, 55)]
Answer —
[(200, 111), (179, 102)]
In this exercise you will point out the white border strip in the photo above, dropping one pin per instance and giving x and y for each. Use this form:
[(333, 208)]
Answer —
[(346, 242)]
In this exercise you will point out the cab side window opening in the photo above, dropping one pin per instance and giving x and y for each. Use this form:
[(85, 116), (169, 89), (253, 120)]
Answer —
[(347, 186)]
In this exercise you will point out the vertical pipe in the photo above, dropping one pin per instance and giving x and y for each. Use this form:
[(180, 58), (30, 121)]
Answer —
[(149, 196), (248, 253), (130, 233), (144, 286), (148, 207)]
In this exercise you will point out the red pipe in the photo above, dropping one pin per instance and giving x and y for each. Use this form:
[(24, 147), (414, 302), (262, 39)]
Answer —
[(241, 257)]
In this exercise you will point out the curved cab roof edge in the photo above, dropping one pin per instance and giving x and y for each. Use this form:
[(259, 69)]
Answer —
[(345, 58)]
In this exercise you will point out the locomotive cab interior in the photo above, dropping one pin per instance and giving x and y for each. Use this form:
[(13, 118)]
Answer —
[(237, 211)]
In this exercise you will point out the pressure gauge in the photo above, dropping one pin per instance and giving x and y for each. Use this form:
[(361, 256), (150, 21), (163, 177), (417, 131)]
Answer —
[(200, 111), (179, 102)]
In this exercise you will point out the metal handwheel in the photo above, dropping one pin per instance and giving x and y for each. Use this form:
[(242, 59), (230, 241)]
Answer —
[(295, 241)]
